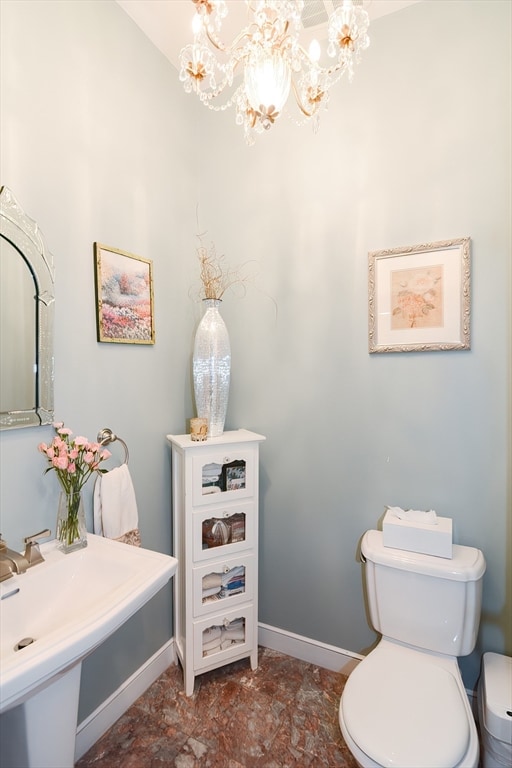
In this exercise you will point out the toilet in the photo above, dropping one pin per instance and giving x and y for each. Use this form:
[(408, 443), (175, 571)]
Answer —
[(404, 705)]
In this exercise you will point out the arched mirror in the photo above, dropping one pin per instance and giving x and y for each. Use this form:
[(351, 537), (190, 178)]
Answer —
[(26, 319)]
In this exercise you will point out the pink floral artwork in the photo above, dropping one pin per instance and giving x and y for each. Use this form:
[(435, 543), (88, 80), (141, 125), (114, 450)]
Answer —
[(417, 297), (124, 295)]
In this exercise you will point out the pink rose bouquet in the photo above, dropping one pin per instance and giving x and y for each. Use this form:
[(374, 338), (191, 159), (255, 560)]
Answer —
[(74, 460)]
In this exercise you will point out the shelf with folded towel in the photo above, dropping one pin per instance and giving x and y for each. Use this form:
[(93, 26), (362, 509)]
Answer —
[(227, 582), (219, 586), (222, 638)]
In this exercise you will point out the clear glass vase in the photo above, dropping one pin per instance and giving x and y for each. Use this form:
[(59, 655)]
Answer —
[(212, 368), (71, 529)]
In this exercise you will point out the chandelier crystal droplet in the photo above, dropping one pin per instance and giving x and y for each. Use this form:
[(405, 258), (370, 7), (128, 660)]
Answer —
[(270, 58)]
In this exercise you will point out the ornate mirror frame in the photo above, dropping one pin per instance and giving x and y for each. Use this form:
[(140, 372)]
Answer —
[(24, 235)]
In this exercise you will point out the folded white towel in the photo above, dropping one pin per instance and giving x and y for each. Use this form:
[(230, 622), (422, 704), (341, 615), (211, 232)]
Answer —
[(227, 643), (428, 517), (115, 505), (210, 634), (210, 591), (212, 647), (212, 580), (211, 640)]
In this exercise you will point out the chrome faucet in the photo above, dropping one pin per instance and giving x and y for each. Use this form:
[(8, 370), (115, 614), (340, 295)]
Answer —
[(12, 562)]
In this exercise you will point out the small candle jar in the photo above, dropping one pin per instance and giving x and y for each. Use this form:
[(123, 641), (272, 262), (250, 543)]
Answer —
[(198, 429)]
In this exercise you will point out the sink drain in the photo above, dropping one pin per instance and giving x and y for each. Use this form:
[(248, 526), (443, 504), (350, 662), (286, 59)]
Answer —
[(23, 643)]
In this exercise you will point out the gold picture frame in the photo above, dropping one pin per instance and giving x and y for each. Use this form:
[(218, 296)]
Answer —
[(124, 297), (419, 297)]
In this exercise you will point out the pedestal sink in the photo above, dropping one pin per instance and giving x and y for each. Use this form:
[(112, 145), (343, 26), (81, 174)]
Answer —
[(51, 617)]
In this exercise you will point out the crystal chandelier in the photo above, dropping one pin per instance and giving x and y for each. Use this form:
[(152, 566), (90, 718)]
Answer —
[(269, 57)]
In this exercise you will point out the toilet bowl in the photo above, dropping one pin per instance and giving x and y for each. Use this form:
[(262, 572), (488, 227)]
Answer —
[(404, 705), (406, 708)]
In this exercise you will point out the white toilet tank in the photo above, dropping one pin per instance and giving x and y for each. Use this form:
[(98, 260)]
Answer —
[(425, 601)]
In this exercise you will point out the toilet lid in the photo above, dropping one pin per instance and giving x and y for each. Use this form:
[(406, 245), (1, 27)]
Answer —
[(404, 710)]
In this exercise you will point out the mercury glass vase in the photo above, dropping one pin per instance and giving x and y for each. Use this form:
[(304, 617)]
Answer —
[(71, 529), (212, 367)]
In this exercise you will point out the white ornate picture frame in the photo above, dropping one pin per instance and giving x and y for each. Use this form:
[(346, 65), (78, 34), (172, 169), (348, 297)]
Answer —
[(419, 297)]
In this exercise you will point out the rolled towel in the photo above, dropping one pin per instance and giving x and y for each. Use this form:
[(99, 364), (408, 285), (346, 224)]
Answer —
[(235, 624), (427, 517), (235, 630)]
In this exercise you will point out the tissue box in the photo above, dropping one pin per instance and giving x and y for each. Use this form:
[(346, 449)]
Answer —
[(418, 537)]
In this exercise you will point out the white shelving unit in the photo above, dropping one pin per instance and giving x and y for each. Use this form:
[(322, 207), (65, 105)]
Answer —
[(215, 534)]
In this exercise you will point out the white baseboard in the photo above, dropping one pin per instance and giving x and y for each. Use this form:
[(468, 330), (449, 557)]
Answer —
[(320, 654), (305, 649), (99, 721)]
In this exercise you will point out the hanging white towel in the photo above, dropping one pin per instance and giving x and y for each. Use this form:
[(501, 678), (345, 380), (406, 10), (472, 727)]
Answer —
[(115, 506)]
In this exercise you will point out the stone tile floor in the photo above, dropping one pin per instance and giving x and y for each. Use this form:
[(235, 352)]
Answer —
[(283, 714)]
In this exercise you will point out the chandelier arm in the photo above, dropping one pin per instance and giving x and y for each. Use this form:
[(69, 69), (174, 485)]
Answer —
[(284, 33), (324, 71), (299, 102), (246, 33), (220, 46)]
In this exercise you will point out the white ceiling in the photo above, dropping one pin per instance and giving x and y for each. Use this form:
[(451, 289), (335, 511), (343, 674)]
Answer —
[(168, 23)]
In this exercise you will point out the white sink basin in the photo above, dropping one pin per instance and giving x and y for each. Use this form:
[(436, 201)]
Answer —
[(70, 604), (67, 605)]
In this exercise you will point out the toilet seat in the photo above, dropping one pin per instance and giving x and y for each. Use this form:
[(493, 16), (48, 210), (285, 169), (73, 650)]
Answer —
[(405, 708)]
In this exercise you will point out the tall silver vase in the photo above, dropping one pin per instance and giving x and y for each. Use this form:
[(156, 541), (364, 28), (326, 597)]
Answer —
[(212, 367)]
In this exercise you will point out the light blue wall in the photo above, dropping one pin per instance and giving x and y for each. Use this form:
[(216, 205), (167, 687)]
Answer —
[(96, 146), (100, 144), (416, 149)]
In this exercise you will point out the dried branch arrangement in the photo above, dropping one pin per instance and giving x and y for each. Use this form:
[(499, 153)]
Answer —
[(216, 275)]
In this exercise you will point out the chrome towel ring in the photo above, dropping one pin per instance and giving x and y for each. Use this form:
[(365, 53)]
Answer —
[(106, 436)]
